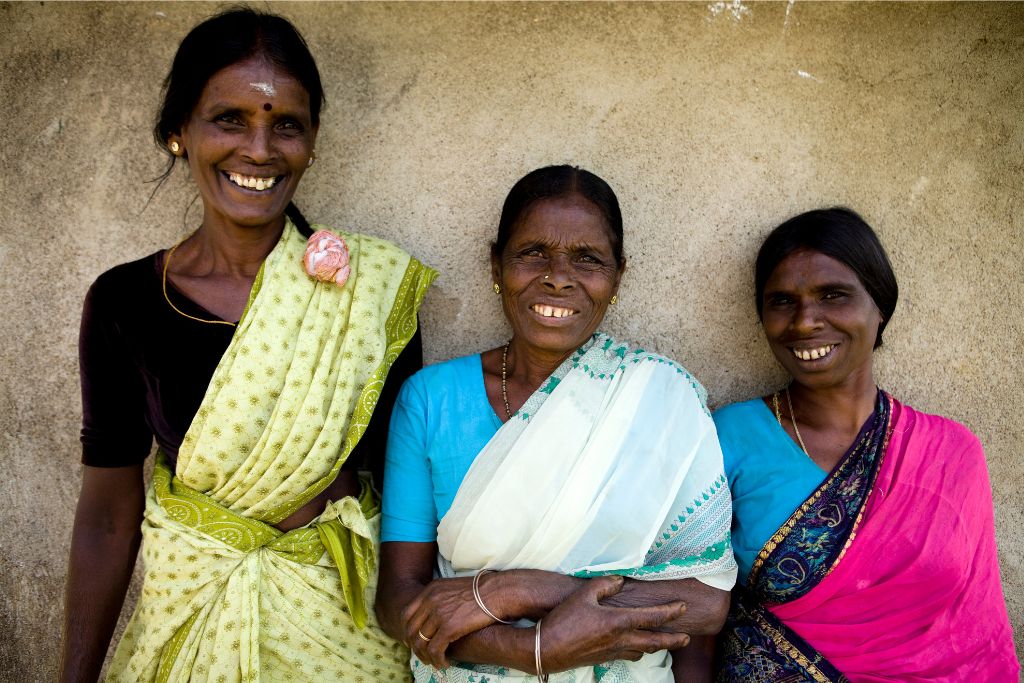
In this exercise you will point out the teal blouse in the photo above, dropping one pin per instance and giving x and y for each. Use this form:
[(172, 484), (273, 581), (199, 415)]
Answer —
[(769, 475)]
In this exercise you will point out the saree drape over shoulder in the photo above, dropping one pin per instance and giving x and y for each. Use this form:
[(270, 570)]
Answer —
[(226, 595), (887, 571), (611, 467)]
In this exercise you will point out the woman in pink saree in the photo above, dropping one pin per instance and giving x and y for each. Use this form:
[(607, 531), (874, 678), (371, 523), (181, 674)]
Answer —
[(863, 528)]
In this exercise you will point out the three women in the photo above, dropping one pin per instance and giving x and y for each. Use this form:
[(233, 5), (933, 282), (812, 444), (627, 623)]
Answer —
[(604, 452)]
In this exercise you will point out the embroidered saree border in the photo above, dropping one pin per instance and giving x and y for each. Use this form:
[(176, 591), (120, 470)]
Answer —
[(843, 469), (757, 645)]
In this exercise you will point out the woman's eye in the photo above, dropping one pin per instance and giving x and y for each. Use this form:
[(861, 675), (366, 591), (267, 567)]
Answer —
[(779, 300), (228, 120), (290, 125), (833, 295)]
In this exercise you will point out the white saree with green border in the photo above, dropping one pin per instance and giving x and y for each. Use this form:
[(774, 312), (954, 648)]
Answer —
[(614, 467), (228, 597)]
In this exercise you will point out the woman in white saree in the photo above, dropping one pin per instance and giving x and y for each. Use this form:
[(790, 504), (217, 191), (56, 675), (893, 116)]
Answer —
[(555, 507)]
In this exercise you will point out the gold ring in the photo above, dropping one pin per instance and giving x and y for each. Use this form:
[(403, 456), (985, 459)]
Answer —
[(420, 634)]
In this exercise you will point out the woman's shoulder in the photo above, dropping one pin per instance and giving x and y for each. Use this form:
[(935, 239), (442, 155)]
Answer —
[(624, 353), (455, 374), (937, 430), (738, 415), (362, 240), (124, 280)]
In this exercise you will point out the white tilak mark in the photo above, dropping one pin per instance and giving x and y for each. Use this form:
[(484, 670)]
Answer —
[(265, 88), (803, 74)]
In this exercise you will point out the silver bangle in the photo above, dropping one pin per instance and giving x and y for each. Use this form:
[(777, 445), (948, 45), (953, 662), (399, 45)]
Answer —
[(541, 676), (480, 601)]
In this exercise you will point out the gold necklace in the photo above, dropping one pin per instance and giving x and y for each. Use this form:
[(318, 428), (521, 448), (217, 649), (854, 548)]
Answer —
[(504, 378), (792, 418), (167, 261)]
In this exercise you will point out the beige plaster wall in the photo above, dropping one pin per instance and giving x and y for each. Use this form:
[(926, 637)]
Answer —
[(712, 121)]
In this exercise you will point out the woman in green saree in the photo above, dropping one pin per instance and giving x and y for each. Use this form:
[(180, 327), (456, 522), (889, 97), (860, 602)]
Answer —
[(255, 357)]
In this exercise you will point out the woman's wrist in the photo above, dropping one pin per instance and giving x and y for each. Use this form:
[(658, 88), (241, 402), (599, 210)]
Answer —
[(525, 593)]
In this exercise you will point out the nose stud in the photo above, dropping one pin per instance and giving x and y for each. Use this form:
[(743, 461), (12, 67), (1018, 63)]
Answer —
[(547, 277)]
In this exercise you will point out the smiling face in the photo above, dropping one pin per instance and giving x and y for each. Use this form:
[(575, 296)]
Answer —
[(557, 274), (247, 157), (820, 321)]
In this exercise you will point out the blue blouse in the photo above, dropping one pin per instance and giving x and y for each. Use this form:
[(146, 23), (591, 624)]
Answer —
[(441, 421), (769, 475)]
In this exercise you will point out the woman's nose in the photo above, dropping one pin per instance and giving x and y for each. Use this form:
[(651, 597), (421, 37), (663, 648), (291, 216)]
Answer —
[(259, 147), (559, 275), (807, 317)]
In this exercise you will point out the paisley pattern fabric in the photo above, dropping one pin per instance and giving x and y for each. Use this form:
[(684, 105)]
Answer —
[(755, 646), (227, 597), (791, 564)]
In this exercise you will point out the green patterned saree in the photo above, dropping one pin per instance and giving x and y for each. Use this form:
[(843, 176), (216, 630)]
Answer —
[(227, 596)]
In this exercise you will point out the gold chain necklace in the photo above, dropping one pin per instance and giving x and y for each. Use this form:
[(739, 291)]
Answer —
[(167, 261), (504, 378), (792, 418)]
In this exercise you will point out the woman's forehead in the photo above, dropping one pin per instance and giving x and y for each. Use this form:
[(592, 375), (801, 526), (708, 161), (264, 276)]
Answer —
[(255, 79)]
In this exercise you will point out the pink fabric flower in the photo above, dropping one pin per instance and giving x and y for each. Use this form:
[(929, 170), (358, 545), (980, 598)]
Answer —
[(326, 258)]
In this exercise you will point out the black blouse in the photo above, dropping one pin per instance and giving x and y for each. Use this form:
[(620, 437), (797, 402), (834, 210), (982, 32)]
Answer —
[(145, 369)]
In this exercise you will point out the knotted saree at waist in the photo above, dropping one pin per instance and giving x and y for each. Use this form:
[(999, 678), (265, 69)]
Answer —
[(226, 596)]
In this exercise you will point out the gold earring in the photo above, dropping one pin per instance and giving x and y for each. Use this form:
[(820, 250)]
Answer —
[(312, 158), (615, 299), (497, 288), (174, 147)]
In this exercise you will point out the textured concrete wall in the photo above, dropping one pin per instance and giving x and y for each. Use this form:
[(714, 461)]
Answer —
[(712, 121)]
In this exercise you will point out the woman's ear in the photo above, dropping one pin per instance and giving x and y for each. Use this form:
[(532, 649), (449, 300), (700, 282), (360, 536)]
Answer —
[(495, 268), (176, 145), (618, 275)]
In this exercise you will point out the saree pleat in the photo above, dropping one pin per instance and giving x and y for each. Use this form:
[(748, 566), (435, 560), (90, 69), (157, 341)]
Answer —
[(227, 596)]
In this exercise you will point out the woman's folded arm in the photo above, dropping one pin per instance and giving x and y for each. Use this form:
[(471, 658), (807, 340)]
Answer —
[(587, 621)]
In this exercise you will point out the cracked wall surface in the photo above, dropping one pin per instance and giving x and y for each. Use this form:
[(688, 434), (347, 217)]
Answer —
[(713, 122)]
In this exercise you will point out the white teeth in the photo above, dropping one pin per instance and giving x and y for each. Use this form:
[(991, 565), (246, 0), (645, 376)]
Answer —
[(813, 354), (252, 182), (552, 312)]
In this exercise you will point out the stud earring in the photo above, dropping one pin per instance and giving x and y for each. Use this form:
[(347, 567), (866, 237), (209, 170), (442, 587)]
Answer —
[(497, 288), (312, 158), (615, 299), (174, 146)]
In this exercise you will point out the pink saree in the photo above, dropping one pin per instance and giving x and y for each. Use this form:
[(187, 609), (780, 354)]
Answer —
[(916, 595)]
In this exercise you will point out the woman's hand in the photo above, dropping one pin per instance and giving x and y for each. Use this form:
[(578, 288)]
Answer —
[(446, 611), (581, 631), (442, 613)]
